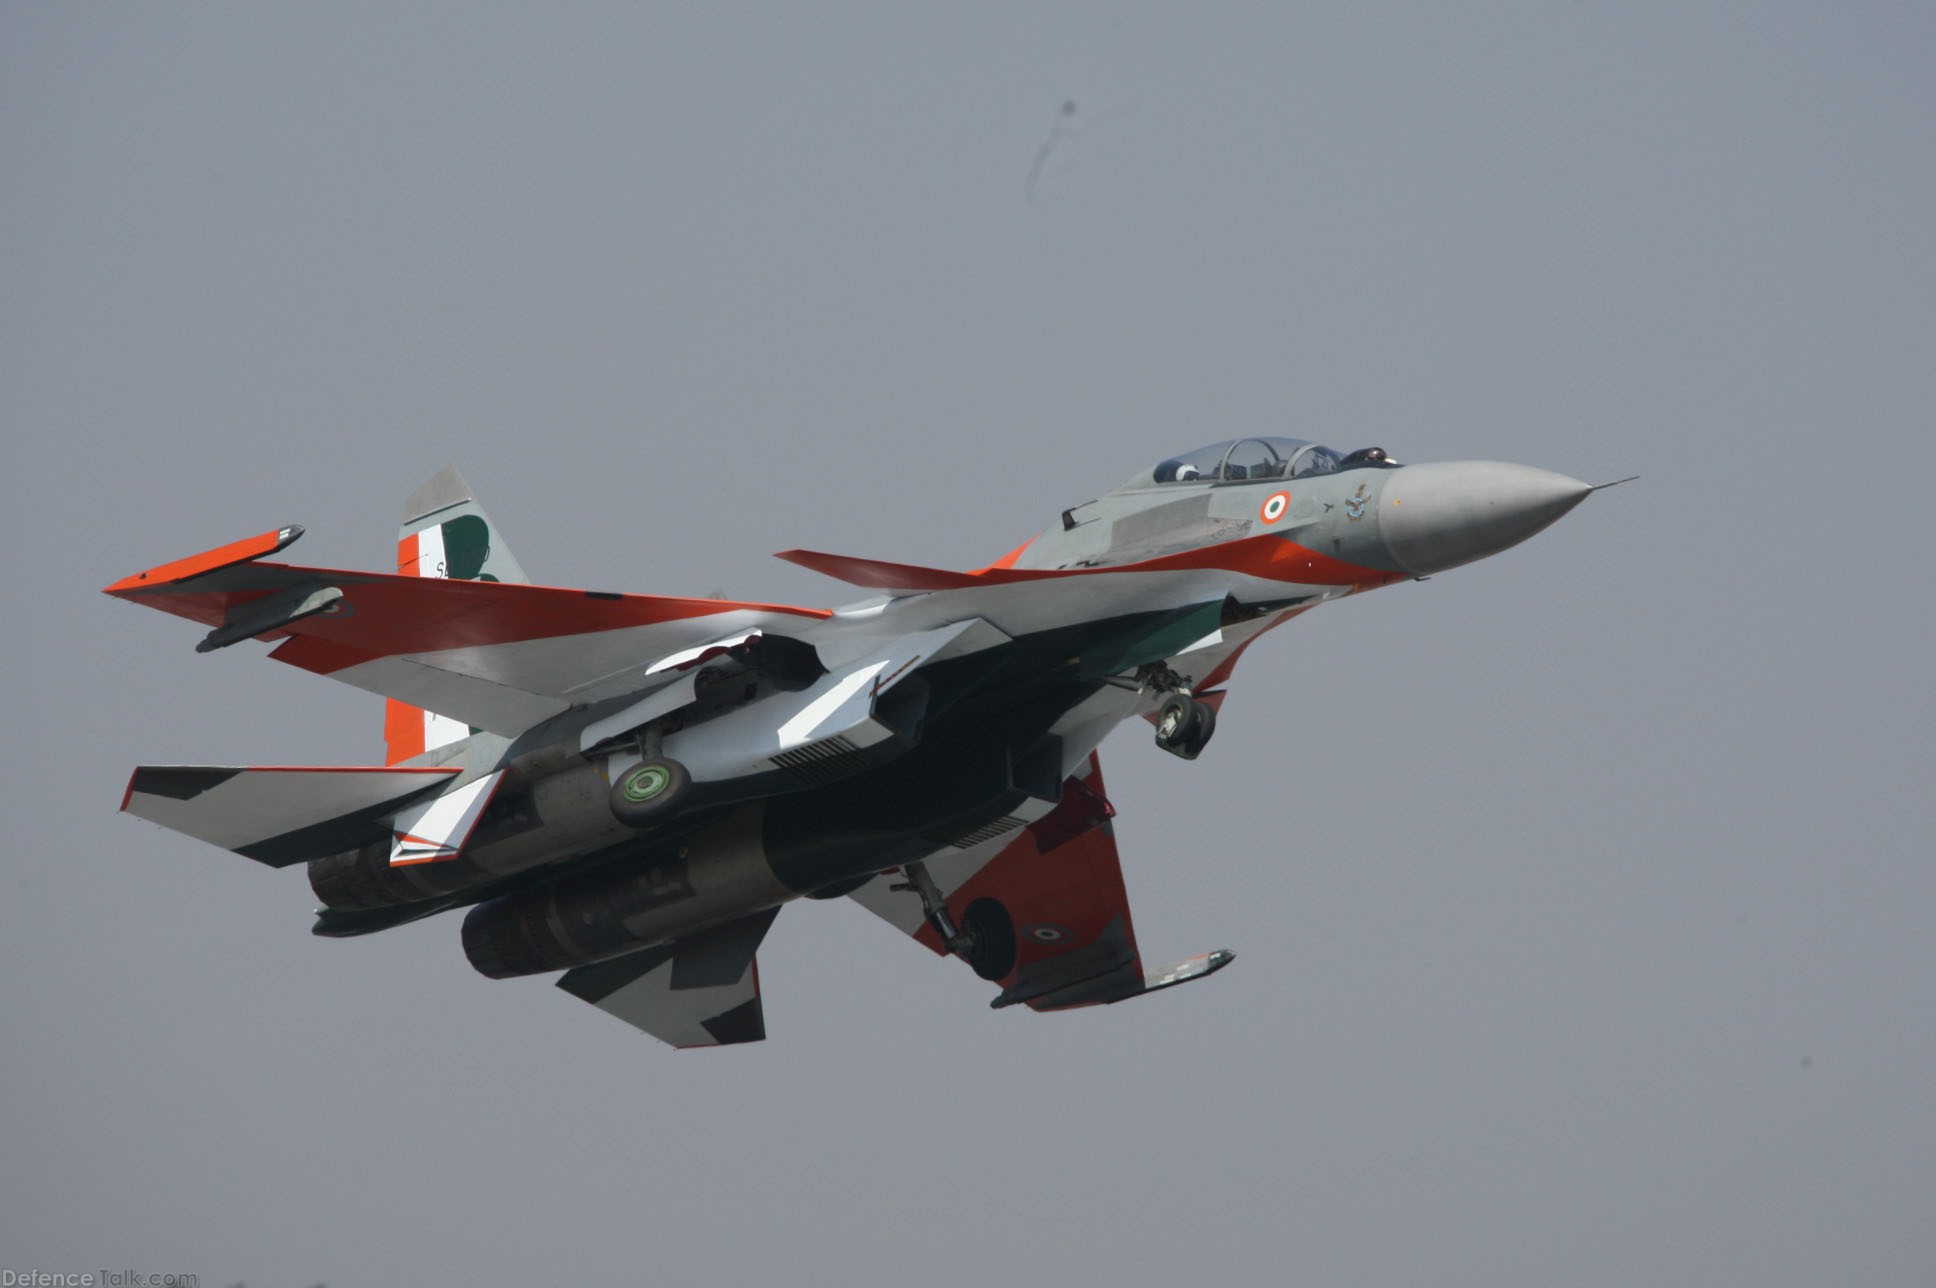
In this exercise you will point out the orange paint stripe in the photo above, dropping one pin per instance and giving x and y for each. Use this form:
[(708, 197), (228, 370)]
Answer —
[(403, 724), (208, 561), (1272, 558), (403, 731), (1008, 560), (1267, 556)]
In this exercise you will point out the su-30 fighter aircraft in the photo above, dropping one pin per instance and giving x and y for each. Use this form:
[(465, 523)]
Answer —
[(627, 788)]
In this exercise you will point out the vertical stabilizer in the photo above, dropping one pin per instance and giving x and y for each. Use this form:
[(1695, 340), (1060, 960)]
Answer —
[(445, 533)]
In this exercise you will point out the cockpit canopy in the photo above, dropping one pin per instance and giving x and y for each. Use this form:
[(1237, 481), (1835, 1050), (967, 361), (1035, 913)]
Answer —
[(1242, 460)]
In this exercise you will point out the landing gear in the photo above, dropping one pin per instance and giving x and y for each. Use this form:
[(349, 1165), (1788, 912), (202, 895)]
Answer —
[(990, 932), (985, 939), (1184, 722), (650, 791), (1184, 725)]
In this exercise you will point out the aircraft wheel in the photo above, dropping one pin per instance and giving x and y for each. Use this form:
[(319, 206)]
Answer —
[(992, 932), (1183, 725), (650, 791), (1206, 725)]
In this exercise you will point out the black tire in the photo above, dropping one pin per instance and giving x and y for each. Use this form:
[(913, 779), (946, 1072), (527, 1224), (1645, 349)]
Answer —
[(1206, 724), (650, 792), (1180, 725), (992, 931)]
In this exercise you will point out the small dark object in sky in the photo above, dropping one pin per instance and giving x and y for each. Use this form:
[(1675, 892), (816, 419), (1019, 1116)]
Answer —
[(1043, 153)]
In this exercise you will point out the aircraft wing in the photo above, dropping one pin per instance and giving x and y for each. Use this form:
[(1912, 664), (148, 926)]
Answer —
[(498, 656), (1062, 884)]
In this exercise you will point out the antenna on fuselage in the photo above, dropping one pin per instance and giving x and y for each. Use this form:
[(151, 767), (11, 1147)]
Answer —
[(1069, 519)]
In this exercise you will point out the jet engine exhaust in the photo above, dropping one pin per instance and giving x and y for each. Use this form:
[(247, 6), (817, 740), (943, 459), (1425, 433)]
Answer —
[(652, 898)]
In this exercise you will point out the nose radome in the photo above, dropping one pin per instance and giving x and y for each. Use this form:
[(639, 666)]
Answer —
[(1439, 515)]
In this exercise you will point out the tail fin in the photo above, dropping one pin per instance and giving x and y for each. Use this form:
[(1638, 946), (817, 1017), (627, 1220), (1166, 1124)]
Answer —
[(445, 533)]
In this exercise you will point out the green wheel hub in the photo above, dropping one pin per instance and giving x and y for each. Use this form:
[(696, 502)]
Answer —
[(646, 782), (650, 792)]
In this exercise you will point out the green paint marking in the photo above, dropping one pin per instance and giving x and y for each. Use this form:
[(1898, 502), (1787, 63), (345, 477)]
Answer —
[(467, 547)]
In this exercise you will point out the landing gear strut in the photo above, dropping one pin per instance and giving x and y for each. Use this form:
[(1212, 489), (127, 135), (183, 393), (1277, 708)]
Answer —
[(985, 939)]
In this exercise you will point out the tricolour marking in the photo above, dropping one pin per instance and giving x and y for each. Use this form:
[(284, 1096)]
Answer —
[(1274, 507), (410, 731), (406, 733), (430, 553)]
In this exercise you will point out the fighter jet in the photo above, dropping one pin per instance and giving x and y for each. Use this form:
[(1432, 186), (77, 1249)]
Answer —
[(628, 788)]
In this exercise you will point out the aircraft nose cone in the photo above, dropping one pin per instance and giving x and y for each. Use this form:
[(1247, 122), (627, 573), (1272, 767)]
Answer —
[(1439, 515)]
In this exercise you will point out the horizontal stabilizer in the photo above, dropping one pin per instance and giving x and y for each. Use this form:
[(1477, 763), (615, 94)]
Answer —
[(701, 991), (278, 816)]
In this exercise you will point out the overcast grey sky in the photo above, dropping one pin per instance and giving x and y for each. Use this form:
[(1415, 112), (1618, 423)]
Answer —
[(1582, 898)]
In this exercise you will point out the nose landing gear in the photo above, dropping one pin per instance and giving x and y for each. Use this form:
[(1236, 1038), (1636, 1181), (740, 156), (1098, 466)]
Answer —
[(1184, 725), (1183, 722)]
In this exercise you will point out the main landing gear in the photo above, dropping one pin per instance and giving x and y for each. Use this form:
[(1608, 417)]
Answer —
[(653, 790), (985, 939), (650, 791)]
